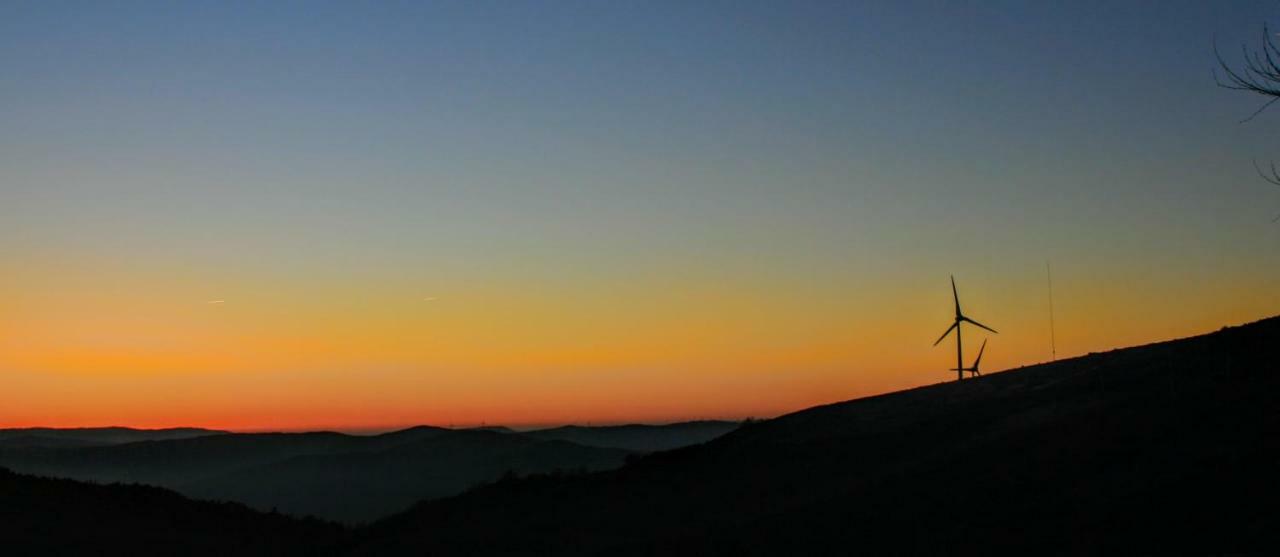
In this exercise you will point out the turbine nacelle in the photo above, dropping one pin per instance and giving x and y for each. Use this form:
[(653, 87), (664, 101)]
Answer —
[(955, 326)]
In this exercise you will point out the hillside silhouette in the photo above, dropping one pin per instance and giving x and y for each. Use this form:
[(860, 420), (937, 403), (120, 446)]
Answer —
[(1169, 447), (639, 437), (349, 478), (1165, 448), (43, 516), (359, 486)]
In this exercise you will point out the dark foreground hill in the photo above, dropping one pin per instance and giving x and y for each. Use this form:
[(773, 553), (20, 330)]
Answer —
[(1170, 447), (1166, 448), (50, 517)]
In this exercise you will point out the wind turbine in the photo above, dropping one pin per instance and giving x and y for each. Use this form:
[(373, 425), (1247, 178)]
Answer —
[(955, 326), (976, 361)]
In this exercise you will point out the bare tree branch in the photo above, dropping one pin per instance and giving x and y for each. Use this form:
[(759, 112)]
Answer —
[(1261, 75), (1271, 174)]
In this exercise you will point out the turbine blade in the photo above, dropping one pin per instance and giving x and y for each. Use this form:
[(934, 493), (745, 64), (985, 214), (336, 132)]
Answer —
[(944, 335), (978, 360), (955, 296), (980, 324)]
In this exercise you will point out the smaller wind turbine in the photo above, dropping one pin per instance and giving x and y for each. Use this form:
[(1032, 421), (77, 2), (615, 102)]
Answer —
[(955, 326), (974, 370)]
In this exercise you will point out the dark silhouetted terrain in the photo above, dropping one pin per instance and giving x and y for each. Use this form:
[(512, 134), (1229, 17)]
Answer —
[(1166, 448), (639, 437), (330, 475), (44, 517), (1170, 447), (350, 478), (46, 437), (358, 486)]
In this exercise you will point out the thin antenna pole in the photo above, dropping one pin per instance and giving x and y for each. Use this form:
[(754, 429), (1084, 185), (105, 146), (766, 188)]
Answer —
[(1053, 337)]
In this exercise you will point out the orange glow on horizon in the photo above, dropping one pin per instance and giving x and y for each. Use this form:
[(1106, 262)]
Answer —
[(547, 354)]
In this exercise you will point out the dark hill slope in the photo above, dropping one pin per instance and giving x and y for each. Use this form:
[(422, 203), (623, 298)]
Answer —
[(1170, 447), (178, 462), (44, 442), (171, 463), (360, 486), (639, 437), (42, 517), (330, 475)]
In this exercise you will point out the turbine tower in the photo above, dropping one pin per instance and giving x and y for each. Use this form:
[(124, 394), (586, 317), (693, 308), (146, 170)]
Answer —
[(955, 326), (976, 361)]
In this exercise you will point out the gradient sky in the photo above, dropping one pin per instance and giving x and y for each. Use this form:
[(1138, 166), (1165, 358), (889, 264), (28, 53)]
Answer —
[(361, 215)]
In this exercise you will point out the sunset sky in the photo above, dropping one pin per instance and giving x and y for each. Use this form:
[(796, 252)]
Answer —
[(368, 215)]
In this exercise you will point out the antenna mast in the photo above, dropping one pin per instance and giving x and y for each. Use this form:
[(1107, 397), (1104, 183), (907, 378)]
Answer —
[(1053, 340)]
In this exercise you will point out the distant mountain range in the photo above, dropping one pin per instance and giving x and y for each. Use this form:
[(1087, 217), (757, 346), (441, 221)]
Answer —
[(637, 437), (55, 438), (335, 476), (1165, 448)]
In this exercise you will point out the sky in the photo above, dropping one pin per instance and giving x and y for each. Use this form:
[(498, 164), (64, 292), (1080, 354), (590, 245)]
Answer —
[(368, 215)]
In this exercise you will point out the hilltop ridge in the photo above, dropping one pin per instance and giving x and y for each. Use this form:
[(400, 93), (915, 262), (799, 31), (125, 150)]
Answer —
[(49, 437), (1169, 446)]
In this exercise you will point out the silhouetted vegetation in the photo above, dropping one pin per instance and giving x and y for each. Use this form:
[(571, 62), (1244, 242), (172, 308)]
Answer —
[(1259, 74)]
